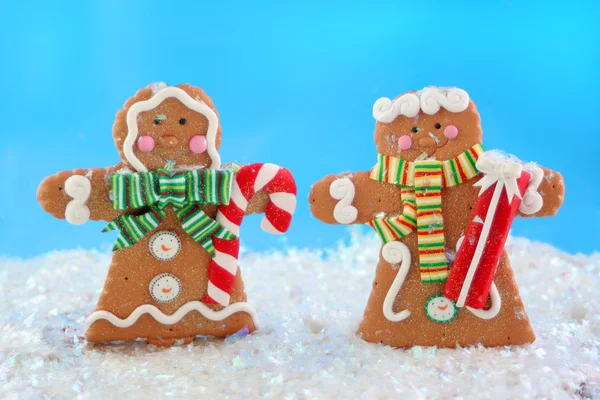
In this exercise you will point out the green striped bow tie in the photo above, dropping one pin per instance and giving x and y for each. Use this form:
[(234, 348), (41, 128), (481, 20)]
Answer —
[(185, 191)]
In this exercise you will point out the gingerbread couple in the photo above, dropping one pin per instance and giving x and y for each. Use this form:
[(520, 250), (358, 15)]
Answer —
[(440, 204), (174, 272), (442, 208)]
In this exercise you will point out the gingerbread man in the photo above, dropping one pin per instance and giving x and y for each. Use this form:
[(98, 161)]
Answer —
[(442, 208), (174, 272)]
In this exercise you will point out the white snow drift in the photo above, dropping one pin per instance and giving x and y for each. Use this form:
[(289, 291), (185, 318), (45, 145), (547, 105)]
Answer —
[(309, 303)]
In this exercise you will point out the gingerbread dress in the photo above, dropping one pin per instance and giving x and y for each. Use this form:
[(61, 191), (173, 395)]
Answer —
[(174, 272), (442, 207)]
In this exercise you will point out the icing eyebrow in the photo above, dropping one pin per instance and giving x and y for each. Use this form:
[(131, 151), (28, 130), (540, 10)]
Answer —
[(161, 117)]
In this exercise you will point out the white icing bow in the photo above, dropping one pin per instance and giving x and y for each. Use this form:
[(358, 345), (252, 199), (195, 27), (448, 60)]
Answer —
[(501, 171)]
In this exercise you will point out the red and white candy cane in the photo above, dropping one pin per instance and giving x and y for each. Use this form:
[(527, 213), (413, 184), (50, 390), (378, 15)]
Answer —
[(279, 184)]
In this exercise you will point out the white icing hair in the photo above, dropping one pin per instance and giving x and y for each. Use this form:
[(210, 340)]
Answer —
[(161, 94), (386, 110), (428, 100)]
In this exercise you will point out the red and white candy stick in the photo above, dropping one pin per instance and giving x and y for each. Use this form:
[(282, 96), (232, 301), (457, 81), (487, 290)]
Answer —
[(279, 184), (504, 184)]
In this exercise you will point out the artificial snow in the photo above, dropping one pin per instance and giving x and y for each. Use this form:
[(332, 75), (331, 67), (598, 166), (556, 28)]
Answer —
[(309, 303)]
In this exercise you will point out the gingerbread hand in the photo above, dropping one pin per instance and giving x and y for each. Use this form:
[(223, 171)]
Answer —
[(78, 195), (352, 198), (545, 195), (258, 203)]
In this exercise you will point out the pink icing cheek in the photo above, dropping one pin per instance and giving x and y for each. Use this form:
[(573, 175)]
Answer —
[(451, 132), (198, 144), (145, 144), (404, 142)]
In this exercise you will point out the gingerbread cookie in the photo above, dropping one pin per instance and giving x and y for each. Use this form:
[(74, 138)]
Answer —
[(174, 272), (442, 208)]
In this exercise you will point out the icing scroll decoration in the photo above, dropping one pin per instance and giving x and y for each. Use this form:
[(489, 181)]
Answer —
[(343, 190), (494, 308), (171, 319), (532, 199), (428, 100), (396, 252), (160, 96), (79, 188)]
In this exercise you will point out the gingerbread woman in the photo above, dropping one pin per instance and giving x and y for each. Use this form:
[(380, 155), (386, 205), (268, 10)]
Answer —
[(174, 272), (442, 208)]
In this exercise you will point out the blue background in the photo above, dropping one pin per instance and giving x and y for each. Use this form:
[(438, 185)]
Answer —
[(294, 85)]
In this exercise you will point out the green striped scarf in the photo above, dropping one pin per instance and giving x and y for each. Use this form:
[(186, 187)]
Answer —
[(185, 191)]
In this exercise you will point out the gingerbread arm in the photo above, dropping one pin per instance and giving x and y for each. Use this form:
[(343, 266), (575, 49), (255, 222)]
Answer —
[(79, 195), (353, 198), (551, 190)]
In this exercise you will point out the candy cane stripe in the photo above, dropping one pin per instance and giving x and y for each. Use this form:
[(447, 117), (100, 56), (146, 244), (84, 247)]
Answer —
[(245, 178), (226, 261), (266, 226), (280, 219), (285, 201), (221, 278), (238, 197), (231, 247), (279, 184), (227, 224), (265, 175), (283, 182), (218, 295), (233, 212)]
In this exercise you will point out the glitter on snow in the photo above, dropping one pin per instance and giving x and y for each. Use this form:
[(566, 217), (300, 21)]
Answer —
[(309, 309)]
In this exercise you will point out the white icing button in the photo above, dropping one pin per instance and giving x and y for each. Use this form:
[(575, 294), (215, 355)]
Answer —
[(440, 309), (165, 287), (165, 245)]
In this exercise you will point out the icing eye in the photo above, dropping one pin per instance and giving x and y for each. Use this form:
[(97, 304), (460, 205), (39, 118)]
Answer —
[(415, 129), (156, 121), (438, 126), (182, 121)]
